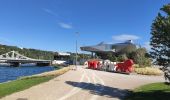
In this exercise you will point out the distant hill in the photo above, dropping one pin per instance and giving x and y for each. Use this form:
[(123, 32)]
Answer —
[(32, 53)]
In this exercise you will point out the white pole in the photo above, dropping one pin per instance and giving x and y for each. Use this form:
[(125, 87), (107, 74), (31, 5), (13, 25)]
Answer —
[(76, 50)]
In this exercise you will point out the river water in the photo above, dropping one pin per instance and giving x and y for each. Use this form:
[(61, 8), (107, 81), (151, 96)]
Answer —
[(12, 73)]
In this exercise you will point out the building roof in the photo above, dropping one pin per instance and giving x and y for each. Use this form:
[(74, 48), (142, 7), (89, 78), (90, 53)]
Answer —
[(104, 47)]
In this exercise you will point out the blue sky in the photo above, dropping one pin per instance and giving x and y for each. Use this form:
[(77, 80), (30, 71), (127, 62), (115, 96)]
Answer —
[(52, 24)]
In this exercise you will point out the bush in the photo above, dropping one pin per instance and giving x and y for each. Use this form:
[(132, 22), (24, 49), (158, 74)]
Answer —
[(143, 62), (136, 65), (122, 58), (148, 71), (140, 57)]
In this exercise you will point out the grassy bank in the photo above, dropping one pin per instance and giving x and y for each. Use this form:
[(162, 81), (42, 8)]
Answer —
[(54, 73), (154, 91), (21, 84), (27, 82)]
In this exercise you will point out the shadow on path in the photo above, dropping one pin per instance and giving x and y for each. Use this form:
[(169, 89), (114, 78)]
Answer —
[(100, 90)]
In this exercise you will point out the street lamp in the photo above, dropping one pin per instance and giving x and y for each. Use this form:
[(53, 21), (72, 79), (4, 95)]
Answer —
[(77, 33)]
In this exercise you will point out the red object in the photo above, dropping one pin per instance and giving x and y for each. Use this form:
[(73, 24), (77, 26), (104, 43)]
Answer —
[(126, 66), (90, 64), (93, 64)]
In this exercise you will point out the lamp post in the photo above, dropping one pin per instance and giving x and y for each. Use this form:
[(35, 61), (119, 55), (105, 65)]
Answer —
[(77, 33)]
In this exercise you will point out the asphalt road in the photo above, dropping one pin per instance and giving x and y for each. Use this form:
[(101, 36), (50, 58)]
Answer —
[(85, 84)]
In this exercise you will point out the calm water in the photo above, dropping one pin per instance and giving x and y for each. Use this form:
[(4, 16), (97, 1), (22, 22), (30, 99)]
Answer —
[(11, 73)]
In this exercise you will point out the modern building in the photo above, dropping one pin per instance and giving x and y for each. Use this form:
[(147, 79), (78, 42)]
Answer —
[(118, 48)]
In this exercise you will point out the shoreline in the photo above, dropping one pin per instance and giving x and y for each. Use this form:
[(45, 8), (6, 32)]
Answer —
[(10, 87)]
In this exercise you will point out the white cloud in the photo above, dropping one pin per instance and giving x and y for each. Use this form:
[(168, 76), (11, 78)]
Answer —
[(124, 37), (147, 46), (59, 19), (65, 25), (50, 12)]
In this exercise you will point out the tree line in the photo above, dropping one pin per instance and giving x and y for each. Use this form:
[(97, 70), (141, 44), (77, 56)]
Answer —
[(39, 54), (31, 53)]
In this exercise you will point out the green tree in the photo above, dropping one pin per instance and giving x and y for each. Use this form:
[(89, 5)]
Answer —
[(32, 53), (160, 40), (108, 55), (127, 50), (140, 57), (122, 58), (111, 57)]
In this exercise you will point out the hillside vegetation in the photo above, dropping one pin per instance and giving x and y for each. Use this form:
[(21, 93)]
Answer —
[(39, 54), (32, 53)]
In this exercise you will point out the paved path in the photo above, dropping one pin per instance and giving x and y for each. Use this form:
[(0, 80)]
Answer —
[(85, 84)]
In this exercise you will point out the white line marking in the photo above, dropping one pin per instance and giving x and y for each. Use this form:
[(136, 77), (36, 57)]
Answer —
[(94, 97), (74, 89), (78, 88), (94, 79)]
